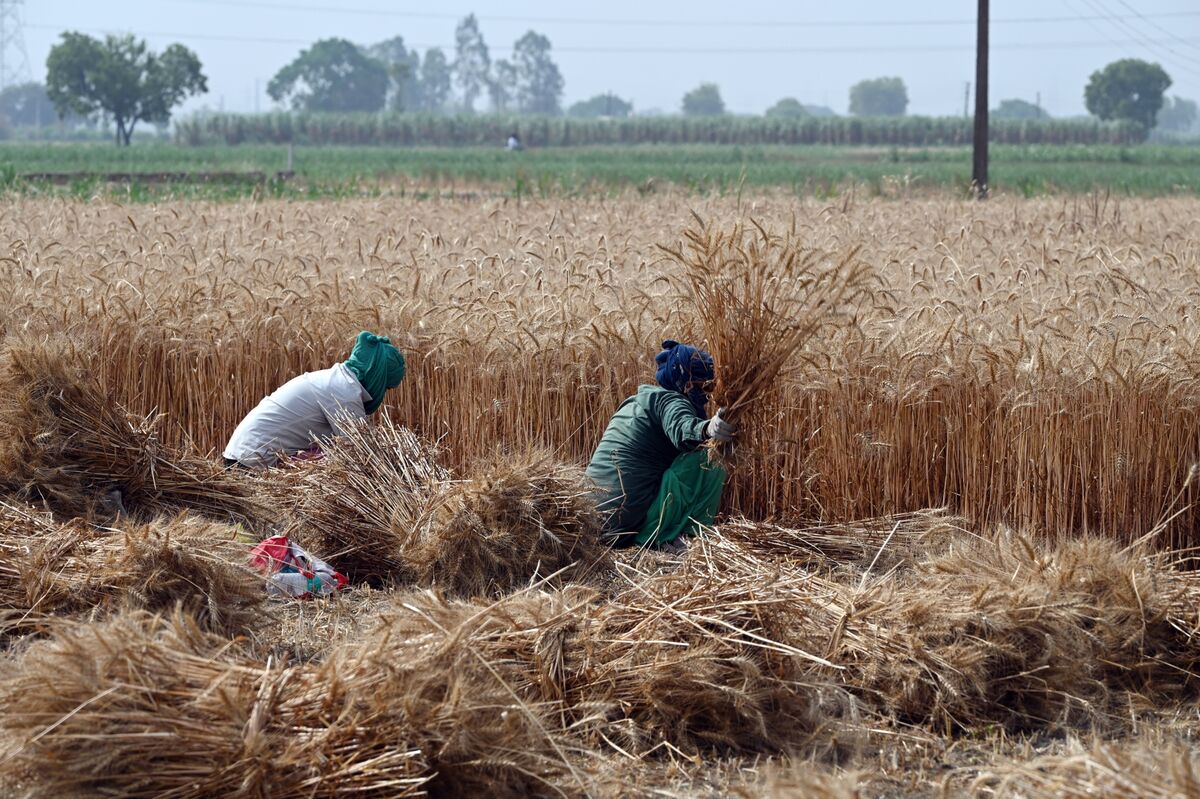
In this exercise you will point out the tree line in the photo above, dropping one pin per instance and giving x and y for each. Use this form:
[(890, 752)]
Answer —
[(122, 81)]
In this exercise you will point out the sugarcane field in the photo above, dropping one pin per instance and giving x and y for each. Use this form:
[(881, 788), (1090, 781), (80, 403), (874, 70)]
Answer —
[(951, 555)]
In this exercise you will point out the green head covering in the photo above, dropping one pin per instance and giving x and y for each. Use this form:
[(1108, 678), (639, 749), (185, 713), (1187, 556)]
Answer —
[(377, 364)]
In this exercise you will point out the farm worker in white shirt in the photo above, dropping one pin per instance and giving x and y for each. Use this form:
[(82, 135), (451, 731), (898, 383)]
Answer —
[(308, 408)]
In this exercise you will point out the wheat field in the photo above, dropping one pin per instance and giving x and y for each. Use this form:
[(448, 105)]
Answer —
[(1027, 362), (954, 558)]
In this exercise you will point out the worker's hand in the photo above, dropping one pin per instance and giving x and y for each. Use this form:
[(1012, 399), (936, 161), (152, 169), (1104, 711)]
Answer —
[(720, 429)]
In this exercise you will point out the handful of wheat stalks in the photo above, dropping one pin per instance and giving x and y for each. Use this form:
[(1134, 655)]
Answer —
[(760, 297)]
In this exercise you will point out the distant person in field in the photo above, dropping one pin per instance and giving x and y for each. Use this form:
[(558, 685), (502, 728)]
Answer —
[(311, 408), (654, 481), (514, 141)]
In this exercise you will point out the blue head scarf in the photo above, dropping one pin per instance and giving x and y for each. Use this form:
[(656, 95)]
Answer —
[(684, 369)]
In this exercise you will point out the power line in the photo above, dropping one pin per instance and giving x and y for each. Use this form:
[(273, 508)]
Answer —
[(672, 23), (1156, 26), (1186, 56), (1140, 38), (654, 50)]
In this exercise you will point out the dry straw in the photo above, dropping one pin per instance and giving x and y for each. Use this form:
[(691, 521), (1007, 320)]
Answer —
[(52, 569), (381, 507), (1007, 631), (1134, 769), (732, 651), (65, 444), (147, 706)]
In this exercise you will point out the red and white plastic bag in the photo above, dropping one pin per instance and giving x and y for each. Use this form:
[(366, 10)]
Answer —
[(291, 571)]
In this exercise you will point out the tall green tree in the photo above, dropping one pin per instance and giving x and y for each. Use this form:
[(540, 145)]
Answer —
[(332, 75), (1178, 116), (435, 81), (539, 82), (787, 108), (472, 62), (601, 105), (1018, 109), (880, 97), (403, 71), (1129, 89), (120, 77), (703, 101), (502, 86)]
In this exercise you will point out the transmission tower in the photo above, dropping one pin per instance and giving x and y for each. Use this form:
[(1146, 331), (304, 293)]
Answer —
[(14, 61)]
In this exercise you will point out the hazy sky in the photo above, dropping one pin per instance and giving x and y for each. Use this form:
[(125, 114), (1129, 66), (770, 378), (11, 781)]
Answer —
[(652, 52)]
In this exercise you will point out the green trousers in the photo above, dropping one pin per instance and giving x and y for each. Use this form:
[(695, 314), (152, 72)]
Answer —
[(689, 496)]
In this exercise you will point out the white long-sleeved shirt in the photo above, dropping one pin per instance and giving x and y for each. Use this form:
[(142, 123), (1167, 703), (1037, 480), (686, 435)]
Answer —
[(297, 415)]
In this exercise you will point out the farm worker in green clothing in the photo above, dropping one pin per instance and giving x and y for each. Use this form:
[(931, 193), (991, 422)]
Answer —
[(653, 479)]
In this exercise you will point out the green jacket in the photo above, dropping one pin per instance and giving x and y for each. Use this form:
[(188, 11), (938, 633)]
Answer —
[(646, 434)]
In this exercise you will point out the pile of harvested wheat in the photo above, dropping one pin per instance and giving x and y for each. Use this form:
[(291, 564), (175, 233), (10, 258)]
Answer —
[(384, 511), (729, 651), (52, 569), (65, 445)]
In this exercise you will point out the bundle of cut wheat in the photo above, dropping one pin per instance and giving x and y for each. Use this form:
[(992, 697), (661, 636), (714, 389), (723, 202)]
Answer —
[(51, 568), (144, 706), (1007, 631), (189, 562), (759, 298), (701, 661), (1137, 769), (363, 503), (523, 516), (65, 444), (32, 548), (476, 682), (383, 510)]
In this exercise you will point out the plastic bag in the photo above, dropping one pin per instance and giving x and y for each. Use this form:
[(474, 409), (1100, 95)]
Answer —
[(292, 571)]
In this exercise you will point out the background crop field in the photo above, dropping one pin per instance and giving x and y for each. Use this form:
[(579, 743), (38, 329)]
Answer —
[(803, 170)]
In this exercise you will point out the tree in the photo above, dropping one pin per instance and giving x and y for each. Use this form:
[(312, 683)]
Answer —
[(403, 71), (1129, 89), (1018, 109), (121, 78), (502, 85), (539, 83), (820, 111), (27, 105), (435, 81), (1179, 116), (703, 101), (332, 75), (787, 108), (602, 105), (881, 97), (472, 64)]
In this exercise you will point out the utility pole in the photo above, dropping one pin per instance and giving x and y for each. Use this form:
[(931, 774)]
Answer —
[(979, 175), (967, 101), (14, 62)]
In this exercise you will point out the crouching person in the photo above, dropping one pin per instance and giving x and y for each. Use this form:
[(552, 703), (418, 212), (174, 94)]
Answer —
[(654, 482), (308, 409)]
